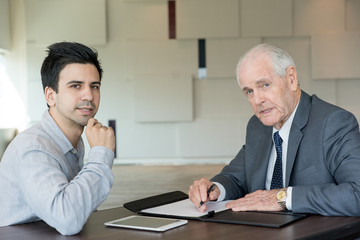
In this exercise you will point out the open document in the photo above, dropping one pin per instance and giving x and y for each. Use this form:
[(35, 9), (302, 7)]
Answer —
[(176, 204), (185, 208)]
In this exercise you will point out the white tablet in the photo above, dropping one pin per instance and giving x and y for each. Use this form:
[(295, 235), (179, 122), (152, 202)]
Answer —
[(147, 223)]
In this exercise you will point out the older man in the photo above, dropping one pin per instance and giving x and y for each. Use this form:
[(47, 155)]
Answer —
[(301, 153)]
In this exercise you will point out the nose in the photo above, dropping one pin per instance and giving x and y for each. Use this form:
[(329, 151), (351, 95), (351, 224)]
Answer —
[(258, 97), (87, 94)]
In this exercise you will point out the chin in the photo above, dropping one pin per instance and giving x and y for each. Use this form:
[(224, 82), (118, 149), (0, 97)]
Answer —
[(266, 122), (83, 122)]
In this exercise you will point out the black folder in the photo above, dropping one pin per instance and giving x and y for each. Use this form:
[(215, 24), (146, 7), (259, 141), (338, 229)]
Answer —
[(264, 219)]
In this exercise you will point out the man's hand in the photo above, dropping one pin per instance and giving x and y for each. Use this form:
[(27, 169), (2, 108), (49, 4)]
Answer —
[(99, 135), (261, 200), (198, 192)]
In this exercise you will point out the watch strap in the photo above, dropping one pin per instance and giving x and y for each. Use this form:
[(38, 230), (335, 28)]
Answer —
[(282, 205)]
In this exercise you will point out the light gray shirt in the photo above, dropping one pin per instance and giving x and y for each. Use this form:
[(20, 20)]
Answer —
[(42, 177)]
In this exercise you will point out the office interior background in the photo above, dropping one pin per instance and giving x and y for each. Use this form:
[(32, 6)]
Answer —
[(168, 106)]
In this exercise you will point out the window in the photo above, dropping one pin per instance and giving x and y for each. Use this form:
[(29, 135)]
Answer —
[(12, 108)]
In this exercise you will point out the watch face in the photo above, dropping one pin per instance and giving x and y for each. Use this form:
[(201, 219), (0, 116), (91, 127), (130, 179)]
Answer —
[(281, 195)]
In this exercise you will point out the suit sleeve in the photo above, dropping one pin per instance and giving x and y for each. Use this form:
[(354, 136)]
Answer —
[(233, 178), (341, 154)]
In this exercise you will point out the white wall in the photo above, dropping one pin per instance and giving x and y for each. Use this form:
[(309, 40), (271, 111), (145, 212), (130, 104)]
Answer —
[(5, 39), (195, 118)]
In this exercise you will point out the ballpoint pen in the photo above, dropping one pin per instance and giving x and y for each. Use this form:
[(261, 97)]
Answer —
[(212, 187)]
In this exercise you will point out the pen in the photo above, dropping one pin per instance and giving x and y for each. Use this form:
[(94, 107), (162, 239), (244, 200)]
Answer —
[(212, 187)]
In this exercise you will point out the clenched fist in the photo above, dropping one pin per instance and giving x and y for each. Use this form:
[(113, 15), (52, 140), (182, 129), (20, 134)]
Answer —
[(99, 135)]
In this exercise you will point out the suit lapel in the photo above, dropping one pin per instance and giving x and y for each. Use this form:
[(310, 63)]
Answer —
[(296, 135), (259, 171), (294, 142)]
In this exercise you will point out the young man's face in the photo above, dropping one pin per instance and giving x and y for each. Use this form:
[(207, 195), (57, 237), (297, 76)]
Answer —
[(78, 96)]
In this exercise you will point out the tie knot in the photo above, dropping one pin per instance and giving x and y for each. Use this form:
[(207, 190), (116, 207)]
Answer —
[(277, 139)]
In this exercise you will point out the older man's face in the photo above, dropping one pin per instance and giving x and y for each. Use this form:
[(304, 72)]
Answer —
[(273, 98)]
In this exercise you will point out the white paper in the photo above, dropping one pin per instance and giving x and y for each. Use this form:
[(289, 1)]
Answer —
[(186, 208)]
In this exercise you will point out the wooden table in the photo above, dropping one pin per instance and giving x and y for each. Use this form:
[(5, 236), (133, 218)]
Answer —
[(312, 227)]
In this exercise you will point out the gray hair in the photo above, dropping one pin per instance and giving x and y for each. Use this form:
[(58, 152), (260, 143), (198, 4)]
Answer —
[(280, 59)]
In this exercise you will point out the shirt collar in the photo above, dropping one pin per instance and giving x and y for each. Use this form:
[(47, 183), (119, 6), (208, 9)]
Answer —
[(54, 131)]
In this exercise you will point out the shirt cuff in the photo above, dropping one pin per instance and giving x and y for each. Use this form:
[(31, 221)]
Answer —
[(101, 154), (222, 191), (289, 198)]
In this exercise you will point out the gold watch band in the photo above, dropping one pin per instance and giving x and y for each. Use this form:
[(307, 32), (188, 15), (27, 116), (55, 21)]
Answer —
[(281, 198), (282, 205)]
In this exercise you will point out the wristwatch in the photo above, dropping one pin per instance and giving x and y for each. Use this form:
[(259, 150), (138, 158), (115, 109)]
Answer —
[(281, 198)]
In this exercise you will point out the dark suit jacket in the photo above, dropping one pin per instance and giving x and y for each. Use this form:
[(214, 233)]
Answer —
[(323, 160)]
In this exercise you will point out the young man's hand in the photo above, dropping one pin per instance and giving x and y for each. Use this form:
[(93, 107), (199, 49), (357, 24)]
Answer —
[(99, 135)]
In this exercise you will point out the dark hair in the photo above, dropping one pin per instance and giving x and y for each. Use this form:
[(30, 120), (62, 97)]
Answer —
[(64, 53)]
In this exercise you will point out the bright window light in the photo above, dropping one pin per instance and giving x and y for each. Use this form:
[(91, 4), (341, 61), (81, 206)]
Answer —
[(12, 108)]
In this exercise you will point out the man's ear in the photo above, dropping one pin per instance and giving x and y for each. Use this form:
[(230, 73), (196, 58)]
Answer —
[(50, 96), (292, 75)]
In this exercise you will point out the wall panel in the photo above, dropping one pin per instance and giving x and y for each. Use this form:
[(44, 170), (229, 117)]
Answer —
[(146, 140), (164, 56), (220, 98), (334, 56), (318, 16), (163, 98), (54, 21), (207, 19), (266, 18), (5, 38), (142, 20), (352, 13), (211, 137)]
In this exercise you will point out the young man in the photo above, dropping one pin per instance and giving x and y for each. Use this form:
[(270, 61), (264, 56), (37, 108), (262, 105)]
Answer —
[(301, 153), (42, 174)]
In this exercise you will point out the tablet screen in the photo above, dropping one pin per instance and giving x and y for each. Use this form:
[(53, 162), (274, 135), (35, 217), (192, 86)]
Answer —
[(147, 223)]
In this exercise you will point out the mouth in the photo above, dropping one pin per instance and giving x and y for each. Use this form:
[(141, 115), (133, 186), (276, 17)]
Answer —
[(85, 108), (266, 111), (85, 111)]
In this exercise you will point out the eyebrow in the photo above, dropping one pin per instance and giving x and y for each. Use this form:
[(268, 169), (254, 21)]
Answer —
[(81, 82), (245, 89), (259, 82)]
